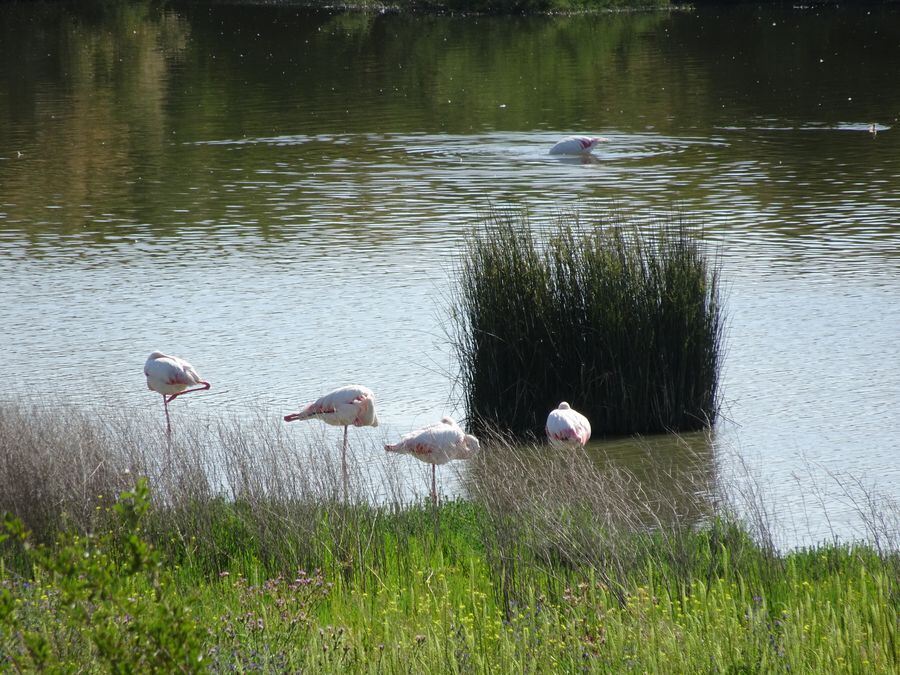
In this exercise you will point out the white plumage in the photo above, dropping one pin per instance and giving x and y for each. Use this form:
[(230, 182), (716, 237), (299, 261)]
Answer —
[(567, 427), (171, 377), (437, 444), (350, 405), (576, 145)]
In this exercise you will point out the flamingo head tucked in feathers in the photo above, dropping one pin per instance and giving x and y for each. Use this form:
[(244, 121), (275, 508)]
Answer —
[(471, 443)]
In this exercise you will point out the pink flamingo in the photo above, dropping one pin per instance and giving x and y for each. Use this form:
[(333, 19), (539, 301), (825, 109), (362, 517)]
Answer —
[(353, 404), (171, 377), (437, 444), (567, 427), (576, 145)]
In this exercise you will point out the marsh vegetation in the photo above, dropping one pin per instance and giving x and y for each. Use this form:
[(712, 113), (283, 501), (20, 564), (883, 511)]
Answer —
[(623, 323), (552, 563)]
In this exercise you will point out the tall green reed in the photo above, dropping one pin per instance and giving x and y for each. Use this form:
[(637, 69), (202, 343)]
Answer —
[(625, 325)]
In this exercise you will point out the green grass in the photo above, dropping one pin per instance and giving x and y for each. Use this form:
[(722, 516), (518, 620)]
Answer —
[(425, 596), (626, 326), (242, 559), (495, 7), (518, 6)]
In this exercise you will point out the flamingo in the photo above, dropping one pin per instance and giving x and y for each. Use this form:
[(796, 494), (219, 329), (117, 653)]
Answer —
[(437, 444), (353, 404), (576, 145), (171, 377), (567, 427)]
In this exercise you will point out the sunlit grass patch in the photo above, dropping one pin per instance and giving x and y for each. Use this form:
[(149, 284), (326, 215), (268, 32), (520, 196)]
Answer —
[(436, 607), (553, 562)]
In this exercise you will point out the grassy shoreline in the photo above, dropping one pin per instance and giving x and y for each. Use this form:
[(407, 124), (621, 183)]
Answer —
[(480, 7), (552, 563), (430, 596)]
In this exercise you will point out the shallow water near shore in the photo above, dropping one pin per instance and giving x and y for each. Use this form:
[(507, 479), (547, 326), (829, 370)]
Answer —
[(280, 197)]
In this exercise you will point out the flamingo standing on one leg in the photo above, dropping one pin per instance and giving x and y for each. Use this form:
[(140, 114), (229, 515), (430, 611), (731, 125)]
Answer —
[(437, 444), (576, 145), (353, 404), (567, 427), (171, 377)]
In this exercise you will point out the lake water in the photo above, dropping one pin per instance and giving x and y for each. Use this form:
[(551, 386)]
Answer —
[(280, 197)]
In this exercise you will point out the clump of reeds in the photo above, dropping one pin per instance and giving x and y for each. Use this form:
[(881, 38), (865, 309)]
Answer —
[(625, 326)]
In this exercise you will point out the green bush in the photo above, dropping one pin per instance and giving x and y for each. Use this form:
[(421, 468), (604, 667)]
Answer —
[(625, 326), (100, 598)]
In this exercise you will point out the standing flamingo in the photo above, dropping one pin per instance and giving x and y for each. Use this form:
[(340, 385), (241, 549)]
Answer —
[(437, 444), (353, 404), (576, 145), (171, 377), (567, 427)]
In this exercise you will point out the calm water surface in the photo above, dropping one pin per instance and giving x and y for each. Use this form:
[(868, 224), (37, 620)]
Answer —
[(281, 197)]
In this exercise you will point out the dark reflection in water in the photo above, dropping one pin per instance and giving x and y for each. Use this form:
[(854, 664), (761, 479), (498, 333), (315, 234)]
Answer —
[(213, 119), (280, 195), (575, 503), (676, 474)]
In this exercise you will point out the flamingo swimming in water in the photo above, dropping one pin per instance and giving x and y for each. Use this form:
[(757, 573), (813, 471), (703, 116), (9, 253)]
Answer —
[(577, 145), (567, 427), (437, 444), (350, 405), (171, 377)]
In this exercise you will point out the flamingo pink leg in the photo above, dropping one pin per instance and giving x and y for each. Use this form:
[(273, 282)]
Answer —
[(166, 408), (206, 385), (433, 485), (167, 401), (344, 463)]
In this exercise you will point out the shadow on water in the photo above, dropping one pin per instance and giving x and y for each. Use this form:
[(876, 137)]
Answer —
[(645, 482), (677, 473)]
